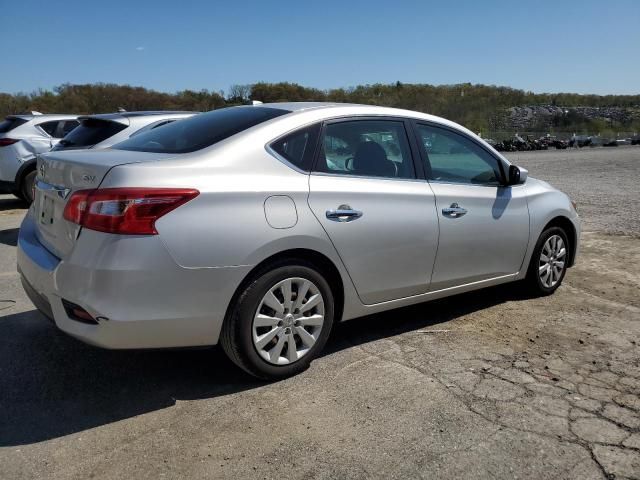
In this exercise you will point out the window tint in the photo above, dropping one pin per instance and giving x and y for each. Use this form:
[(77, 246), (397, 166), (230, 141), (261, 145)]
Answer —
[(452, 157), (200, 131), (370, 148), (49, 127), (68, 126), (10, 123), (298, 147), (90, 132)]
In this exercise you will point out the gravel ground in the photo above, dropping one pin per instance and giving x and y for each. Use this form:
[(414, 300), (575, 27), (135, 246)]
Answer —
[(604, 182), (490, 384)]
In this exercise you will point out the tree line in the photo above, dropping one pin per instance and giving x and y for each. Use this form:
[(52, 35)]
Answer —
[(478, 107)]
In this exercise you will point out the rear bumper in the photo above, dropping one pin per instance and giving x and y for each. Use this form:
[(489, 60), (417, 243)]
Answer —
[(139, 295)]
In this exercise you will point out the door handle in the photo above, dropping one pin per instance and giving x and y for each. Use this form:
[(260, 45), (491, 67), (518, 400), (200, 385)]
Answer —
[(454, 211), (344, 213)]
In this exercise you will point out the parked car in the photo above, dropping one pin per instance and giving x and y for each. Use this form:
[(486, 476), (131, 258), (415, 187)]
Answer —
[(239, 227), (104, 130), (22, 137)]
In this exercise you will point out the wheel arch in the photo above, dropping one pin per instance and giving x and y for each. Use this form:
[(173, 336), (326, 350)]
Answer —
[(319, 260), (567, 225)]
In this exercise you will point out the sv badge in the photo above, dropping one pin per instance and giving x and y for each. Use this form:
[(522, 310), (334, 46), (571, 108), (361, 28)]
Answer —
[(89, 178)]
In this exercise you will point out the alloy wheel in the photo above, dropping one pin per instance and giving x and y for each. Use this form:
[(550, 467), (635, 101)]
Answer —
[(288, 321), (552, 261)]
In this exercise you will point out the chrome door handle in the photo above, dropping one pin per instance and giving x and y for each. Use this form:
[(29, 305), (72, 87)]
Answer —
[(344, 213), (454, 211)]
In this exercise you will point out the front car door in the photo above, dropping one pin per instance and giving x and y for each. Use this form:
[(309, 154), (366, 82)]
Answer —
[(379, 216), (484, 225)]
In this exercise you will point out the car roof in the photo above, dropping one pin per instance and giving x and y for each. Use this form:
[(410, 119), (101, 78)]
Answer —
[(352, 108), (43, 116), (302, 106)]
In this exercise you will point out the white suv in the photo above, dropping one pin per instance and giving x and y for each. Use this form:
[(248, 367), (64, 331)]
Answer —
[(106, 129), (22, 137)]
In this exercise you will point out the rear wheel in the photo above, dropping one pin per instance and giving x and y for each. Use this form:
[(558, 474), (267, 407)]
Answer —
[(26, 189), (549, 262), (280, 321)]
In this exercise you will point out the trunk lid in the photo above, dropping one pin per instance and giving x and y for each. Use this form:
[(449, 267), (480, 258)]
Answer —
[(59, 175)]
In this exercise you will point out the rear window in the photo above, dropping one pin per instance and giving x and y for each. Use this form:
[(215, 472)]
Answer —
[(200, 131), (90, 132), (10, 123)]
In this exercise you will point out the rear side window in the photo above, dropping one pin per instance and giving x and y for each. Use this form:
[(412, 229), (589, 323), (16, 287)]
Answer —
[(298, 147), (49, 127), (68, 126), (369, 148), (90, 132), (10, 123), (200, 131)]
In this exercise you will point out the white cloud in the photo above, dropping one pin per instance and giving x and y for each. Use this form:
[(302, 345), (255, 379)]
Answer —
[(139, 49)]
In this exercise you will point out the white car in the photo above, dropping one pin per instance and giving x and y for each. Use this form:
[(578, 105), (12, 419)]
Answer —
[(104, 130), (22, 137)]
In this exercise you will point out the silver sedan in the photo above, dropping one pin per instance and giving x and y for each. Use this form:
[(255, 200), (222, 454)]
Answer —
[(259, 227)]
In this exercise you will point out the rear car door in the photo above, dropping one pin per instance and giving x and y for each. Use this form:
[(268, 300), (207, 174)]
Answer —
[(484, 225), (379, 216)]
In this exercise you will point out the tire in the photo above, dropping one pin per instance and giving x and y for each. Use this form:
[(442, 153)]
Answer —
[(26, 188), (18, 195), (244, 333), (541, 283)]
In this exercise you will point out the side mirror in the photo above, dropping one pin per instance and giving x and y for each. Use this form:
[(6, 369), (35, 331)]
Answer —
[(517, 175)]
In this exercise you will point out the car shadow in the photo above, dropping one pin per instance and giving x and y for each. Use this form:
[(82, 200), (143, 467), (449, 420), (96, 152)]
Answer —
[(12, 203), (52, 385), (9, 236)]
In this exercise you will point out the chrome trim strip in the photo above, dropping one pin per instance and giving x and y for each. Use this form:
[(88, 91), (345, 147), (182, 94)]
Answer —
[(61, 192)]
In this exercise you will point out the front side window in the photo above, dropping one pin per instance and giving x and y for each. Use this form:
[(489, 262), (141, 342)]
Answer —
[(298, 147), (452, 157), (369, 148)]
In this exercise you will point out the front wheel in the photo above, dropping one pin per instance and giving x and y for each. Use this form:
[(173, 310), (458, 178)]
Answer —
[(549, 262), (280, 321)]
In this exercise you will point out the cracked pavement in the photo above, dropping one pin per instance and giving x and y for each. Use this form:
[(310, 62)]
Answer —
[(489, 384)]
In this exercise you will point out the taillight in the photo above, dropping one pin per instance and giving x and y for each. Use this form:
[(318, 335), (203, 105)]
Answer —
[(129, 211), (7, 141)]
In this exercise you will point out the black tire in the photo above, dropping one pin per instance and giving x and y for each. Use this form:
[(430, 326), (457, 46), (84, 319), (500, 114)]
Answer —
[(18, 195), (533, 281), (236, 336), (26, 189)]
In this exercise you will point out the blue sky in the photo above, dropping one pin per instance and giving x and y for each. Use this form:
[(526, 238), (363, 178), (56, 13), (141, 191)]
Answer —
[(544, 46)]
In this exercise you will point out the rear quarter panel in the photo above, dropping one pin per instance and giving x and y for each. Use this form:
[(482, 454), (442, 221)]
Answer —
[(226, 226)]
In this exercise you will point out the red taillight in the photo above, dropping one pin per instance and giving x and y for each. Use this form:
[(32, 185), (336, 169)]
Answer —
[(7, 141), (129, 211)]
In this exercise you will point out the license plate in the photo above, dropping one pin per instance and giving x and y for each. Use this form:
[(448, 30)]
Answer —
[(47, 208)]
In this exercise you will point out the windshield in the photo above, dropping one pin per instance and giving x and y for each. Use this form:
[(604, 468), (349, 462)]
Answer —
[(90, 132), (200, 131)]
